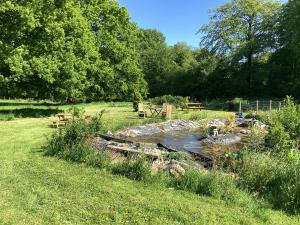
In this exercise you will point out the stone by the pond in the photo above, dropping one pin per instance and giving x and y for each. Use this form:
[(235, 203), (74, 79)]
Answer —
[(151, 129), (175, 168), (225, 139), (245, 131), (98, 143)]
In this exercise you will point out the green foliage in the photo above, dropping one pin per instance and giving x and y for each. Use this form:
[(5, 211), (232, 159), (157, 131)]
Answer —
[(177, 101), (275, 178), (177, 155), (284, 127), (137, 169), (30, 182), (285, 187), (69, 143), (242, 29), (38, 37), (213, 184), (256, 171)]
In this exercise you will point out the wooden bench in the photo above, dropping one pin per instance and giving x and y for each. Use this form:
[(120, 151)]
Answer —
[(141, 110), (195, 106), (65, 118)]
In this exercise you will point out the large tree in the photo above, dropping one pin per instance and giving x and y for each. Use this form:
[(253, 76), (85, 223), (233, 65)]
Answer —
[(243, 30), (68, 49), (284, 65), (155, 60)]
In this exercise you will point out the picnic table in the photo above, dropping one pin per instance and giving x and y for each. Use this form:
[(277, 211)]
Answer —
[(155, 111), (65, 118), (195, 105)]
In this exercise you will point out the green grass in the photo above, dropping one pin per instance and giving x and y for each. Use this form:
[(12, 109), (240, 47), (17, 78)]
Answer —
[(35, 189)]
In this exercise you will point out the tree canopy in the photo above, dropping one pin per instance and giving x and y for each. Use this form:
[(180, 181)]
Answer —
[(243, 29), (90, 50), (68, 49)]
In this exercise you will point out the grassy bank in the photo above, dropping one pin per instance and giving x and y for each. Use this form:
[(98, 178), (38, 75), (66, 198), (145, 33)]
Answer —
[(35, 189)]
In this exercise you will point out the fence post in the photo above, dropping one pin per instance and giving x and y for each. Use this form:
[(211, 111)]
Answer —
[(256, 106), (240, 107), (279, 107), (270, 105)]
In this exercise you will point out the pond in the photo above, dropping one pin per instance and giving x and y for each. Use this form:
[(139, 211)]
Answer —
[(192, 141)]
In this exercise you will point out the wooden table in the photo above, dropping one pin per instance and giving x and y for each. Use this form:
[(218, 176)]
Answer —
[(194, 105), (155, 111)]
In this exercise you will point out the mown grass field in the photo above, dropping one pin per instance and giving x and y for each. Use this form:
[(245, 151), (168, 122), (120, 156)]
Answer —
[(35, 189)]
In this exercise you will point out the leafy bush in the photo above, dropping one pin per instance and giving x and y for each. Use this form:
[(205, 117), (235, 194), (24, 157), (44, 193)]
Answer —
[(233, 105), (257, 136), (198, 116), (229, 124), (285, 187), (256, 171), (177, 155), (177, 101), (277, 179), (212, 184), (69, 142), (284, 127), (135, 169)]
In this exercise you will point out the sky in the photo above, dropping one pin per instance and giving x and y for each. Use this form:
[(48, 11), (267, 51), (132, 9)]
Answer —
[(178, 20)]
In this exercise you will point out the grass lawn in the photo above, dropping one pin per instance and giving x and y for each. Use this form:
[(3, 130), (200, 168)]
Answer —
[(35, 189)]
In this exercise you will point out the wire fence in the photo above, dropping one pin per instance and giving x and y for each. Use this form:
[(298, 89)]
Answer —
[(260, 105)]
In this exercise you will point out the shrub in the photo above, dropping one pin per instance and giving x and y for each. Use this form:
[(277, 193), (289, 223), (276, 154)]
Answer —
[(256, 171), (69, 142), (135, 169), (275, 179), (177, 101), (98, 159), (284, 127), (177, 155), (257, 137), (212, 184), (233, 105), (198, 116), (285, 187), (229, 124)]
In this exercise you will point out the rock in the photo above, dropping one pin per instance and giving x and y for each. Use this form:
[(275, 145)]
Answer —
[(151, 129), (98, 143), (177, 170), (245, 131), (225, 139), (157, 165), (174, 168)]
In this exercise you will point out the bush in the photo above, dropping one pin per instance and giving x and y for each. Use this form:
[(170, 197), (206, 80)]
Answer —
[(69, 142), (233, 105), (135, 169), (284, 127), (256, 171), (229, 124), (275, 179), (177, 155), (285, 187), (177, 101), (212, 184)]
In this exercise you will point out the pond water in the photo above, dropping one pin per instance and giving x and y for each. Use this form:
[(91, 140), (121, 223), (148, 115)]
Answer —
[(179, 140), (193, 141)]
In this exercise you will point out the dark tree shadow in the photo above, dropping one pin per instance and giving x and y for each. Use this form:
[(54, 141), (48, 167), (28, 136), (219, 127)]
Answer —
[(30, 112), (28, 104)]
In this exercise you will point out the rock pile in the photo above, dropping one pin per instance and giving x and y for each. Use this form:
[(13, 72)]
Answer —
[(151, 129)]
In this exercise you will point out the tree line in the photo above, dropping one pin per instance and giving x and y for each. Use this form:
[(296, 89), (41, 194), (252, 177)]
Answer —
[(91, 50)]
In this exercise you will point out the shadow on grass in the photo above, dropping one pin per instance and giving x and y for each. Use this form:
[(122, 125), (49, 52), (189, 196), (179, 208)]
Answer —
[(28, 104), (29, 112)]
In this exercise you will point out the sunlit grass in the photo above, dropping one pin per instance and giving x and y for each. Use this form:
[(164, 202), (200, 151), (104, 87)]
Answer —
[(35, 189)]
